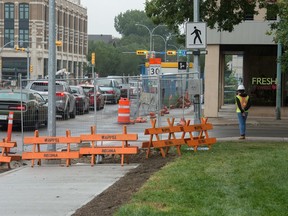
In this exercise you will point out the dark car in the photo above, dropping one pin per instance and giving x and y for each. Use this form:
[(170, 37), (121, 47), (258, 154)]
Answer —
[(110, 89), (65, 101), (31, 104), (89, 89), (82, 99)]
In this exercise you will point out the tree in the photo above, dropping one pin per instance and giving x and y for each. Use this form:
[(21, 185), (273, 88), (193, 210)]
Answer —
[(124, 23), (119, 57), (223, 15), (281, 31)]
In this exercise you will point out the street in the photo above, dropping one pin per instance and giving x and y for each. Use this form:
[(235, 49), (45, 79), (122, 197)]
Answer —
[(106, 122)]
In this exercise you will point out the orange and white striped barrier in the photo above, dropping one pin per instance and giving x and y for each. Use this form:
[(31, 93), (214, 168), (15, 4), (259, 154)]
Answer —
[(124, 111)]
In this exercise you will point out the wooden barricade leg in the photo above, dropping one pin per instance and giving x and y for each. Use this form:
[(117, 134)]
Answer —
[(161, 149), (68, 160), (4, 153), (36, 145), (93, 129), (153, 123), (178, 147), (124, 144)]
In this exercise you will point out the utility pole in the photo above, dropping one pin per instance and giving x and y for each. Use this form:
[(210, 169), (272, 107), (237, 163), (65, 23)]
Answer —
[(196, 53), (51, 74), (278, 78)]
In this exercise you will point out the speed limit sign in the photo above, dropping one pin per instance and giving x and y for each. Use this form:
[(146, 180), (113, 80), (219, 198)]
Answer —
[(155, 66), (154, 70)]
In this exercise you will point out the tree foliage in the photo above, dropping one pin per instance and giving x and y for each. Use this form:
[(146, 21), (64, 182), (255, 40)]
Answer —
[(223, 14), (281, 31)]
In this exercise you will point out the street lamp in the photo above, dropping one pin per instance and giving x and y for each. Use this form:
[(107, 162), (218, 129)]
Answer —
[(150, 32), (165, 44)]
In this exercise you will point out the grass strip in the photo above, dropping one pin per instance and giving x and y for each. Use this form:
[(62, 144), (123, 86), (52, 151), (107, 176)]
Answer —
[(233, 178)]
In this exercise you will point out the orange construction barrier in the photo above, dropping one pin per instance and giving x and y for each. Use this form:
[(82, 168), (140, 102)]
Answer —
[(124, 149), (10, 126), (36, 141), (124, 111), (162, 144), (172, 140), (5, 156)]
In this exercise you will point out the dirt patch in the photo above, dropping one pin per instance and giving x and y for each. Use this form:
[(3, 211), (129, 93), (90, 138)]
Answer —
[(106, 203)]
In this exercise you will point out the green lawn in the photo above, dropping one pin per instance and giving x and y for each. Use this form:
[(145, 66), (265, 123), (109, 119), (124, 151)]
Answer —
[(233, 178)]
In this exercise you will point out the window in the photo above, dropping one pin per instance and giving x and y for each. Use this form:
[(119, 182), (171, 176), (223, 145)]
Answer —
[(23, 11), (9, 36), (9, 11), (23, 37)]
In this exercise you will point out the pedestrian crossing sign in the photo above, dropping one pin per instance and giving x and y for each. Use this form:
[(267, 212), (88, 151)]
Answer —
[(196, 35)]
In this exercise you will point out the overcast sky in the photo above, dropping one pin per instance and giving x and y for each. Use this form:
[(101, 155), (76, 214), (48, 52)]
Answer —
[(101, 14)]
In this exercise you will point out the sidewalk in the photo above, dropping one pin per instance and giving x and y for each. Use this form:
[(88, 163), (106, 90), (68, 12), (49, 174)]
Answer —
[(53, 190)]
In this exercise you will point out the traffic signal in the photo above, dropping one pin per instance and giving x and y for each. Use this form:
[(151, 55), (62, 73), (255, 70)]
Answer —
[(171, 52), (141, 52), (21, 49), (93, 59), (58, 43), (31, 68)]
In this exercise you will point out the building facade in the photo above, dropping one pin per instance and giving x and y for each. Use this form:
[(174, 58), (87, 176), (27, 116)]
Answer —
[(25, 24), (249, 40)]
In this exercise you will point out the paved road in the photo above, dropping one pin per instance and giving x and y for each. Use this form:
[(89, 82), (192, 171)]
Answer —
[(225, 126)]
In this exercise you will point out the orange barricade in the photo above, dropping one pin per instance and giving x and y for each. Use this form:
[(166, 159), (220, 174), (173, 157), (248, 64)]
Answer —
[(124, 111), (5, 156), (124, 149), (36, 153), (202, 138), (164, 144)]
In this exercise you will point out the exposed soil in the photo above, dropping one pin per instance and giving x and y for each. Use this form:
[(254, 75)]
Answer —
[(106, 203)]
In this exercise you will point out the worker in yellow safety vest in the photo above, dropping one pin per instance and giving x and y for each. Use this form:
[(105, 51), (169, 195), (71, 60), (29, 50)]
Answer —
[(243, 104)]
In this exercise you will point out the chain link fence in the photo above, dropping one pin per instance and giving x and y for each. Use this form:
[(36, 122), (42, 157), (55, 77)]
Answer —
[(75, 100)]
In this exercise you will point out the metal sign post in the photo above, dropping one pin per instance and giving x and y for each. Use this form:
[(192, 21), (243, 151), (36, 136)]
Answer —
[(196, 39), (51, 75)]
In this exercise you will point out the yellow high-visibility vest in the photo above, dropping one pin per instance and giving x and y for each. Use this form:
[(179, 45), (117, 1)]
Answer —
[(243, 102)]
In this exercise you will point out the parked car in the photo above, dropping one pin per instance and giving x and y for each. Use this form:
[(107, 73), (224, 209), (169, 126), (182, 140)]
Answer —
[(125, 88), (65, 101), (31, 104), (110, 89), (89, 89), (82, 99)]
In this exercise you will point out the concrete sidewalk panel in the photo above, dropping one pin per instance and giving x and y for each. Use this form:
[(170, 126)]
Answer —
[(55, 190)]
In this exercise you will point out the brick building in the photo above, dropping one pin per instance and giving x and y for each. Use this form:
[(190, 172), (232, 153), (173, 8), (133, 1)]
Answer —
[(25, 23)]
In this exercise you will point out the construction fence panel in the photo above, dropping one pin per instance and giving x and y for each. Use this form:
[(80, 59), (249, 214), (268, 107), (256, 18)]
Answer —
[(147, 94), (173, 91)]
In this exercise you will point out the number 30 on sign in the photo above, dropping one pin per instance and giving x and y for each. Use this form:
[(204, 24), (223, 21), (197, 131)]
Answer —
[(154, 70)]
